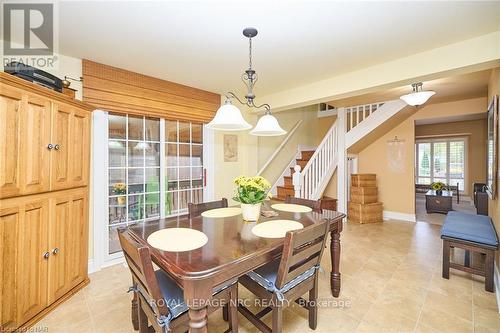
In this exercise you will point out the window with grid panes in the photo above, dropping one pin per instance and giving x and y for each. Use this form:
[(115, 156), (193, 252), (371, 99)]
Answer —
[(441, 160), (184, 166), (135, 145)]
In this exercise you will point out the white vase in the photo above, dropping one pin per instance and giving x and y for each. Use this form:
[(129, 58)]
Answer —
[(250, 212)]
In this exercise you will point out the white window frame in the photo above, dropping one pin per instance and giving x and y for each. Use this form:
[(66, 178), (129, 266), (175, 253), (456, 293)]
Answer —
[(447, 140), (99, 186)]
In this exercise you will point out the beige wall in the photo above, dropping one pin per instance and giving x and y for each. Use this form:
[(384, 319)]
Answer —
[(494, 205), (475, 131), (396, 189), (246, 164), (331, 188)]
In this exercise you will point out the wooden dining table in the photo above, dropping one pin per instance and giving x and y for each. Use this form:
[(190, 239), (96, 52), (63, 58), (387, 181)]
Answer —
[(232, 250)]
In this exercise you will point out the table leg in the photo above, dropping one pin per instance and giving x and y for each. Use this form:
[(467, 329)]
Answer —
[(197, 295), (198, 320), (335, 254)]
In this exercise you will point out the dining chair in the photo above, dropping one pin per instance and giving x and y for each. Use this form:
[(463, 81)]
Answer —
[(284, 280), (160, 300), (315, 205), (195, 210)]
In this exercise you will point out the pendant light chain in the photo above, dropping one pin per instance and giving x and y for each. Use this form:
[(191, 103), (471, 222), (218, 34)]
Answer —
[(250, 52)]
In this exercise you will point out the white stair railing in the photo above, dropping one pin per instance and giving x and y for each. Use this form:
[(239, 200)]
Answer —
[(356, 114), (312, 180)]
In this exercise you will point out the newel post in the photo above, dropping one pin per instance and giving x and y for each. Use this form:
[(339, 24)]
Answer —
[(297, 180)]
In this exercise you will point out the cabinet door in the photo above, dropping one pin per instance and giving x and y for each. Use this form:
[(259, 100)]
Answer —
[(9, 222), (68, 239), (24, 268), (80, 148), (10, 135), (35, 138), (60, 156), (24, 136), (71, 139)]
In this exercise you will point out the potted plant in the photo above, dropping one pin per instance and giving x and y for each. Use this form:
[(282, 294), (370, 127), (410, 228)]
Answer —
[(438, 187), (120, 188), (250, 193)]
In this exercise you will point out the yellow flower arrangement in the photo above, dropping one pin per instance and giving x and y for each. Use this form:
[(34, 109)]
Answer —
[(438, 186), (251, 190), (119, 188)]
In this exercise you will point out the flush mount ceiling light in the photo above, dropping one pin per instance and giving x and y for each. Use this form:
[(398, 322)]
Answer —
[(228, 116), (417, 96)]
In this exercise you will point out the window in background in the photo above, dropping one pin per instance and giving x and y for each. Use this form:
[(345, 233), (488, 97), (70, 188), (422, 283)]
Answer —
[(441, 160), (133, 172), (184, 166)]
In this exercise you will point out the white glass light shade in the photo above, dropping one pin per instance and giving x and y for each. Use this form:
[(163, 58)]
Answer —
[(115, 144), (142, 145), (417, 98), (267, 126), (228, 118)]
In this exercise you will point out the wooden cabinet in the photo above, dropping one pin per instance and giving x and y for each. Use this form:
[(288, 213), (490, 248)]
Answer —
[(44, 170), (10, 130), (70, 139), (67, 229), (24, 243), (34, 138), (45, 144), (79, 148)]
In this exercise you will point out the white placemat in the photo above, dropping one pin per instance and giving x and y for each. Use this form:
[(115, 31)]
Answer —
[(292, 208), (222, 212), (177, 239), (275, 228)]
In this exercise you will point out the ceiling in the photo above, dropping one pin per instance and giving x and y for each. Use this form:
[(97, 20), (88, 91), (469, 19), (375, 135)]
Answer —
[(200, 43), (447, 89)]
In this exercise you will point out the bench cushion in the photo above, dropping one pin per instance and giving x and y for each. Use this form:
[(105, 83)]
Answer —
[(470, 227)]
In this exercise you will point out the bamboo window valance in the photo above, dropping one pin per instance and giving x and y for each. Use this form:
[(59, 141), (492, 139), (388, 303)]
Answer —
[(118, 90)]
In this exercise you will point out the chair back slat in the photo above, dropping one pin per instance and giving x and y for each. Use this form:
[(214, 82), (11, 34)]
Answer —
[(315, 205), (195, 210), (141, 267), (304, 238), (311, 251), (302, 251), (300, 268)]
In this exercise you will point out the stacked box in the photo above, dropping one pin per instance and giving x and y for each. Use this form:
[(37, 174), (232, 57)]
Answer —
[(363, 205)]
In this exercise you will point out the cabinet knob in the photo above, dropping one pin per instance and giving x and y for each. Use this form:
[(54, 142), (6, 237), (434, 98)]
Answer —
[(55, 251), (46, 255), (50, 146), (56, 147)]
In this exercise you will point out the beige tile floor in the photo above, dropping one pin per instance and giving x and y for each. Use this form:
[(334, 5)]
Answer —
[(391, 282)]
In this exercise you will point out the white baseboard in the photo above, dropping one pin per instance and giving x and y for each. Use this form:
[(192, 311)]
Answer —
[(91, 267), (496, 279), (388, 215)]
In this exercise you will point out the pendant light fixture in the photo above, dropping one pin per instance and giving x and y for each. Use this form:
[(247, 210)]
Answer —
[(417, 96), (228, 116)]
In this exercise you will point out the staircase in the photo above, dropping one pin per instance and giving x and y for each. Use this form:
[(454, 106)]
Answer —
[(287, 185), (309, 172)]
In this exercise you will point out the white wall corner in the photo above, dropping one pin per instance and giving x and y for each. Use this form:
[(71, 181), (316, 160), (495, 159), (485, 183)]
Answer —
[(389, 215), (496, 279), (91, 267)]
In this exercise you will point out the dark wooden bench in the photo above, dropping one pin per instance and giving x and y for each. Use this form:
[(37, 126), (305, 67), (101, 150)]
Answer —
[(472, 233)]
